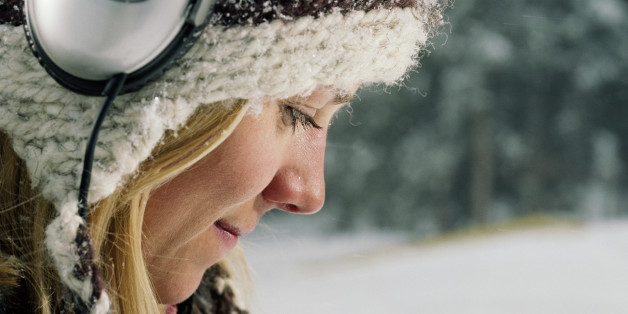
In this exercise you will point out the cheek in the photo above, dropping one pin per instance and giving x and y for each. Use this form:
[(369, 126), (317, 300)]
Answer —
[(247, 161), (235, 172)]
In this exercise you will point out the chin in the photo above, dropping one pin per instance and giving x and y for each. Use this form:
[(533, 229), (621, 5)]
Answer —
[(175, 282), (177, 287)]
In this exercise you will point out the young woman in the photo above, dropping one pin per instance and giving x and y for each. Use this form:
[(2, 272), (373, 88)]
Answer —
[(188, 163)]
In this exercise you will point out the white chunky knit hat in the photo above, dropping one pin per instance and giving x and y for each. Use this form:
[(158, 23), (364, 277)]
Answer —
[(252, 49)]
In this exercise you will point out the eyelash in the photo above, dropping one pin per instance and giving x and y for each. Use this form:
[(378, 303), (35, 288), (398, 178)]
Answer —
[(299, 118)]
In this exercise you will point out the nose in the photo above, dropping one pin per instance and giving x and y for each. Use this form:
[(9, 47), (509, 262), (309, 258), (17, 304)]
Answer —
[(299, 186)]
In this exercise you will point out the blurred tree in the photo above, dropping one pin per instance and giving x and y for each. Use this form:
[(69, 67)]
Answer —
[(521, 111)]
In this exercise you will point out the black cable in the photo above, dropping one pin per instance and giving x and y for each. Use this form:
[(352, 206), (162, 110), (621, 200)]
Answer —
[(111, 91)]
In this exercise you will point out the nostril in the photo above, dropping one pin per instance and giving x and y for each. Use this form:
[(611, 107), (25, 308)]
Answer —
[(290, 208), (299, 209)]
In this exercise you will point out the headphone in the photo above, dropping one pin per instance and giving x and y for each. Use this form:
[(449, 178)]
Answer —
[(82, 44), (110, 47)]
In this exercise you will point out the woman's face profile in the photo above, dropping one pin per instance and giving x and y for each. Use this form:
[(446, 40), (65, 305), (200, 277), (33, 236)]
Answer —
[(273, 159)]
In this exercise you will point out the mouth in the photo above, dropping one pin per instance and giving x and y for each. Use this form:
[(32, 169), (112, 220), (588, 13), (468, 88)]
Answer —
[(231, 229)]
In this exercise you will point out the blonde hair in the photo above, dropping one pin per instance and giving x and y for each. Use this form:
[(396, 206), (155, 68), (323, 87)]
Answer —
[(115, 222)]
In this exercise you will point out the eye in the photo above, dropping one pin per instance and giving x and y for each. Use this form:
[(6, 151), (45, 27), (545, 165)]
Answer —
[(293, 117)]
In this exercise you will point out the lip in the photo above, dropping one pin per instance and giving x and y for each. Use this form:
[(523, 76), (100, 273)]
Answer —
[(227, 238), (231, 229)]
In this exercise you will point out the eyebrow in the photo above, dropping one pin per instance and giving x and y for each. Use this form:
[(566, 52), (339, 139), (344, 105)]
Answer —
[(340, 99)]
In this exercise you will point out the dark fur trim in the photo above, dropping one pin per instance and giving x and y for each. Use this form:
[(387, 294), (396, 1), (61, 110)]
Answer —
[(252, 11), (209, 299), (11, 12), (260, 11), (86, 266)]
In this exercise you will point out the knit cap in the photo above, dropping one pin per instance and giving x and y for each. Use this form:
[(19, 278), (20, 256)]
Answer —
[(251, 49)]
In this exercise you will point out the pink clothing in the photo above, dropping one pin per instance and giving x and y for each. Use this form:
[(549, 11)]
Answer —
[(171, 309)]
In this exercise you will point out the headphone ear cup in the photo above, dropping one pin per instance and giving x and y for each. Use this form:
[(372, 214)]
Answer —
[(178, 46), (168, 57)]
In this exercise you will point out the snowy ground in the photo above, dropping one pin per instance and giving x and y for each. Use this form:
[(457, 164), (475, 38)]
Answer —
[(557, 269)]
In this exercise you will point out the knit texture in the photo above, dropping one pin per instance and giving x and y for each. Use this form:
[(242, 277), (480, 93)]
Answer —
[(275, 59)]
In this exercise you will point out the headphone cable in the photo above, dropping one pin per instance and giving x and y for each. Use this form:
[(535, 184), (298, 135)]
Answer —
[(111, 91)]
